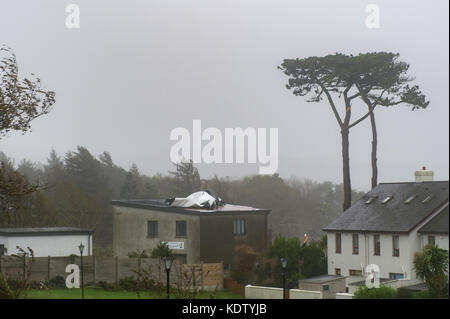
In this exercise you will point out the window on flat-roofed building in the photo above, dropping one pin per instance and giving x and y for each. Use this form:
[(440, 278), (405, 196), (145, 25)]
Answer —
[(181, 228), (152, 228), (396, 276), (355, 244), (239, 227), (395, 246), (353, 272), (376, 245), (338, 241), (337, 271), (432, 240)]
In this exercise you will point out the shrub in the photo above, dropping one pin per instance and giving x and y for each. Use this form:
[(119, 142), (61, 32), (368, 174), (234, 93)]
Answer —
[(383, 292), (57, 282)]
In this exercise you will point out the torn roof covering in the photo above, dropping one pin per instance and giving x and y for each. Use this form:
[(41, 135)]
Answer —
[(202, 199), (199, 202)]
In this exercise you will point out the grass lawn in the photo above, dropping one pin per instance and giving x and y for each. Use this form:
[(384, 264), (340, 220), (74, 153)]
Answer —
[(98, 293)]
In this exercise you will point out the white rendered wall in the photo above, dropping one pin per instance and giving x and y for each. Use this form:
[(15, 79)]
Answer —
[(55, 245), (409, 244), (257, 292)]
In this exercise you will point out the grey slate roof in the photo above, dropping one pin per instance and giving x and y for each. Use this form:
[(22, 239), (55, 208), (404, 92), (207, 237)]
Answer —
[(437, 225), (44, 231), (395, 215)]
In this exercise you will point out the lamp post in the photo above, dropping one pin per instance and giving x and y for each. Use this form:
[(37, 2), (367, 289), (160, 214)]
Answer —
[(167, 265), (81, 248), (283, 267)]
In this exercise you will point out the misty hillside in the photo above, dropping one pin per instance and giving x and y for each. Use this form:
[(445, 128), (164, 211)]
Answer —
[(76, 189)]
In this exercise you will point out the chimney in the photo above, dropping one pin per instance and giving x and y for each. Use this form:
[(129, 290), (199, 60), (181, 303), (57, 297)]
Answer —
[(424, 175)]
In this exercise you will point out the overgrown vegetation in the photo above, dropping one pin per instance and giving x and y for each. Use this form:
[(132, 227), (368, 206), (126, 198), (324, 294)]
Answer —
[(383, 292), (304, 260), (431, 266)]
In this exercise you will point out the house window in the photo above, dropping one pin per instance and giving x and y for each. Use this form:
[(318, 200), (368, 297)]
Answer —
[(396, 276), (376, 245), (2, 250), (337, 271), (353, 272), (355, 241), (338, 243), (181, 228), (432, 240), (395, 246), (152, 228), (239, 227)]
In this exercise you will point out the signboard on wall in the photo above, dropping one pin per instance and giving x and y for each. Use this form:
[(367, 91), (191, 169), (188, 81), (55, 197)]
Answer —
[(175, 244)]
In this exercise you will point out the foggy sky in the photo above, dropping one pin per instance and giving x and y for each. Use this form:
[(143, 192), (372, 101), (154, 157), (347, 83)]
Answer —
[(135, 70)]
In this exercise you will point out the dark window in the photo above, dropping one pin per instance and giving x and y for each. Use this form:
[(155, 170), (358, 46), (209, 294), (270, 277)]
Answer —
[(338, 243), (239, 227), (396, 276), (152, 228), (353, 272), (2, 250), (376, 245), (181, 228), (337, 271), (395, 246), (432, 240), (355, 240)]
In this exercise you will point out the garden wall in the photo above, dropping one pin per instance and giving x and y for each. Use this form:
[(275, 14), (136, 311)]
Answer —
[(112, 269)]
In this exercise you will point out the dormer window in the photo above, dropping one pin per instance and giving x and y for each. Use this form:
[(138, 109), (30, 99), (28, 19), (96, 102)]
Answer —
[(370, 200), (387, 199), (427, 199), (410, 199)]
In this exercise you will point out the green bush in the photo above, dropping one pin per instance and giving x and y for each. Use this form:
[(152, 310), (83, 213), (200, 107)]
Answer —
[(57, 282), (383, 292)]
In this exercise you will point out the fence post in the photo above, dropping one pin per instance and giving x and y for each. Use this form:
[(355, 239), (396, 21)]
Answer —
[(24, 267), (48, 268), (93, 268), (117, 270), (223, 276), (201, 278), (139, 265)]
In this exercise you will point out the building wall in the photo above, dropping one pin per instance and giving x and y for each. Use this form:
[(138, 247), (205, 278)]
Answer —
[(49, 245), (218, 238), (441, 240), (347, 261), (130, 231), (334, 286), (409, 244)]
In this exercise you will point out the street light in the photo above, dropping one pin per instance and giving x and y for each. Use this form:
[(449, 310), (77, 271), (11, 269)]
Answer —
[(81, 248), (283, 266), (168, 264)]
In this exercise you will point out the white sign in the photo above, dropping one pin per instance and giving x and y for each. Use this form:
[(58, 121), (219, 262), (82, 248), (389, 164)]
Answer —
[(175, 244)]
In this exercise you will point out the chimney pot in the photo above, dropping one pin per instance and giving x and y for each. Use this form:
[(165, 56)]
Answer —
[(424, 175)]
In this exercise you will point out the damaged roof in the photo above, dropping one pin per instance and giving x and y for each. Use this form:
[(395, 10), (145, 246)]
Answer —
[(393, 207), (162, 205)]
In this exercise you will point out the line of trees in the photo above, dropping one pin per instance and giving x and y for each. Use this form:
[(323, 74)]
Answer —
[(76, 189)]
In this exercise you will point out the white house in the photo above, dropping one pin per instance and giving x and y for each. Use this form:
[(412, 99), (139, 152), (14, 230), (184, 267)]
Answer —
[(50, 241), (387, 226)]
